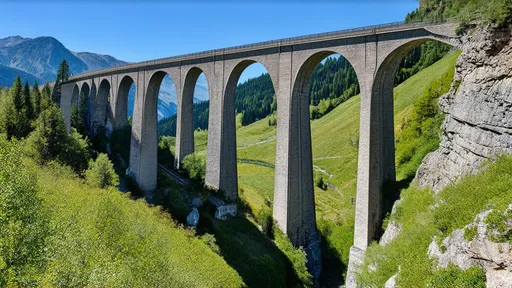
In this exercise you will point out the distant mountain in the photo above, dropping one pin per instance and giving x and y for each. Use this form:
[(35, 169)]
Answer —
[(7, 74), (38, 59), (11, 41), (98, 61)]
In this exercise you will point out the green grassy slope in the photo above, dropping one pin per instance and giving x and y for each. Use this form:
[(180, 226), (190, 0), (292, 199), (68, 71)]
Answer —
[(335, 138), (102, 237), (425, 216)]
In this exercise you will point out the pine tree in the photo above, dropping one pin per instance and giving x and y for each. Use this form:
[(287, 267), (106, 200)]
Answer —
[(46, 97), (84, 113), (27, 103), (76, 119), (63, 71), (50, 138), (101, 173), (36, 95), (62, 76), (16, 94)]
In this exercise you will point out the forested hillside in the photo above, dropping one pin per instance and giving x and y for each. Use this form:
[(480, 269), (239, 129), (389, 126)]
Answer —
[(333, 79)]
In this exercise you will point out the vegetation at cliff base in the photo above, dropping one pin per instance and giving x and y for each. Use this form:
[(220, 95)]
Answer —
[(426, 216)]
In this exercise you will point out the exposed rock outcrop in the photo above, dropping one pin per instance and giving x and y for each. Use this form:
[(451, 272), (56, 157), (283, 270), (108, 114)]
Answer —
[(391, 283), (494, 258), (393, 228), (478, 123), (390, 233)]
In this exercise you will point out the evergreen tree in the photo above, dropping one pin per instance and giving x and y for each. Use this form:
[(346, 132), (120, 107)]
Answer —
[(36, 95), (101, 173), (27, 101), (76, 119), (16, 94), (46, 97), (62, 76), (49, 139), (76, 153), (84, 113), (63, 71), (7, 117)]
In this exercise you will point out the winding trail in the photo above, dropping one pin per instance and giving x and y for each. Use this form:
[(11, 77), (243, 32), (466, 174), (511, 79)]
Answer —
[(268, 165), (258, 143)]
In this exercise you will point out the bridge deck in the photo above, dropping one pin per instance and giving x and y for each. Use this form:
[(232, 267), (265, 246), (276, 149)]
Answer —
[(347, 33)]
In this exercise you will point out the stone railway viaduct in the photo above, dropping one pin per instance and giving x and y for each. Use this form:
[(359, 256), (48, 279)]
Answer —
[(374, 52)]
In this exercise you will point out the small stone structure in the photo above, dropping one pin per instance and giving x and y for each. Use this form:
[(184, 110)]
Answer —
[(223, 210)]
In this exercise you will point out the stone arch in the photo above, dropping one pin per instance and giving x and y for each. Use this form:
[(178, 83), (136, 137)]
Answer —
[(121, 102), (294, 204), (76, 96), (185, 115), (91, 106), (85, 89), (301, 83), (228, 180), (382, 98), (236, 72), (101, 108)]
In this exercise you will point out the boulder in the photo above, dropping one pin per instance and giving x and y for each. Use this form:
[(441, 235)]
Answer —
[(193, 218)]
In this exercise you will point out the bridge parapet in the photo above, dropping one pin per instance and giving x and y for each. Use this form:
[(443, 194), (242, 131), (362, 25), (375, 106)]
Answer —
[(218, 54)]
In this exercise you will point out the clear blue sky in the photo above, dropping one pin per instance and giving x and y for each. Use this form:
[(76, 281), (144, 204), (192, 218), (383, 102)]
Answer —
[(136, 31)]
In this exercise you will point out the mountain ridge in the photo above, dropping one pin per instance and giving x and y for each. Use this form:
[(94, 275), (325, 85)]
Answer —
[(38, 59)]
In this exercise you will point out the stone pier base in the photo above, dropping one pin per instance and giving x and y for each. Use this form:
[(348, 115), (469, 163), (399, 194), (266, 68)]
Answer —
[(314, 256), (355, 261)]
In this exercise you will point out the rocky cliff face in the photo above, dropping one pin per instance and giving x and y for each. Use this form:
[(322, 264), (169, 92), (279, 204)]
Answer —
[(478, 123), (494, 257)]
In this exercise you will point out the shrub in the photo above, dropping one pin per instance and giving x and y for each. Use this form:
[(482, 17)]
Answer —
[(76, 153), (266, 221), (452, 276), (165, 155), (296, 256), (101, 173), (210, 241), (319, 180), (470, 233), (497, 221), (23, 221), (195, 165)]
